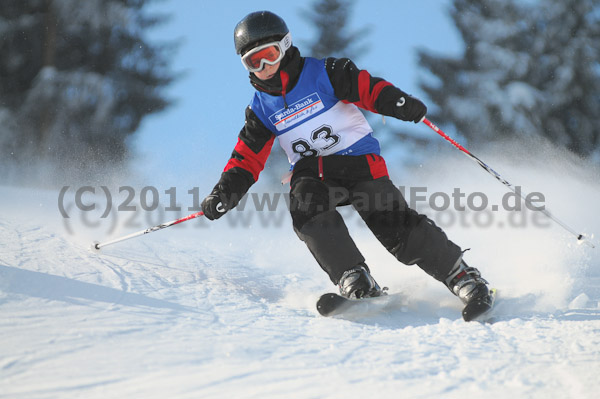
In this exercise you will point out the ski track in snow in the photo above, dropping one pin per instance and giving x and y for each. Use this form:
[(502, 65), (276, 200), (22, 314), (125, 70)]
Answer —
[(211, 314)]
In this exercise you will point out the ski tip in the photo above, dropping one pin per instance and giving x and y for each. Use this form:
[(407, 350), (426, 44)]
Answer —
[(479, 310), (330, 304), (323, 304), (95, 246)]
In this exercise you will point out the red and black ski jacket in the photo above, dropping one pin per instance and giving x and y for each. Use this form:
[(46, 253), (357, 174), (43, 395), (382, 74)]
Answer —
[(255, 140)]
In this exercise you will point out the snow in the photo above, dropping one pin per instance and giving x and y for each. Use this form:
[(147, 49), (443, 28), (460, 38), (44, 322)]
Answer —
[(207, 310)]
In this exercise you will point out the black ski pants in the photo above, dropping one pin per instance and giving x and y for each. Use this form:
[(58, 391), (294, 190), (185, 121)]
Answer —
[(411, 237)]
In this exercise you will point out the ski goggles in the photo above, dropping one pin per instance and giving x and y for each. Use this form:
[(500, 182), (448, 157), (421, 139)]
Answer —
[(268, 53)]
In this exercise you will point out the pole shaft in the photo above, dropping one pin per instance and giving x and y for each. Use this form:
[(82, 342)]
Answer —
[(503, 181), (149, 230)]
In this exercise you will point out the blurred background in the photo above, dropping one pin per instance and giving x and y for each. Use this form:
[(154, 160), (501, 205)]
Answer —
[(152, 92)]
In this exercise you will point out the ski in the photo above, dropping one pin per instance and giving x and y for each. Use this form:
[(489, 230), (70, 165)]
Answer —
[(331, 304), (480, 310)]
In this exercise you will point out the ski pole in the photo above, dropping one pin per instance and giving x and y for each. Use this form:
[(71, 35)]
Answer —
[(580, 237), (98, 245)]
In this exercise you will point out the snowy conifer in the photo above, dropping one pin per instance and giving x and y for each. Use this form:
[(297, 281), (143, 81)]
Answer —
[(528, 69), (77, 79)]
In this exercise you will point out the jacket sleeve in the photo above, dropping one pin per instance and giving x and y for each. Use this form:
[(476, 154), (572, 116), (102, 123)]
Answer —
[(247, 159), (356, 86)]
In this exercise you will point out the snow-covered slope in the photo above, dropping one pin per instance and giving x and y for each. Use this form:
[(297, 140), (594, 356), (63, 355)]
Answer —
[(220, 311)]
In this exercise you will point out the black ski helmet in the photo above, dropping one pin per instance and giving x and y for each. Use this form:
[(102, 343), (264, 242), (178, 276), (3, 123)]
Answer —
[(257, 27)]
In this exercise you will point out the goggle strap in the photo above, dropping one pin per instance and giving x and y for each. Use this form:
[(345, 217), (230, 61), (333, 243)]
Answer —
[(286, 42)]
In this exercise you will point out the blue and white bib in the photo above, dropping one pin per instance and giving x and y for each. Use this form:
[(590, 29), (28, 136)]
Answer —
[(316, 122)]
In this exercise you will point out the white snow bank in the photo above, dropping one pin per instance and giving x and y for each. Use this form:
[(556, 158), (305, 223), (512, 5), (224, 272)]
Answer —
[(211, 311)]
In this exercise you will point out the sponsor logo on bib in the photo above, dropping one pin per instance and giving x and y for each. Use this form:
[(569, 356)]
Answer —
[(297, 112)]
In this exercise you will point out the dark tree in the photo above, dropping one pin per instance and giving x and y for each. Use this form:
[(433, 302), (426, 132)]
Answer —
[(76, 79), (528, 69), (334, 37)]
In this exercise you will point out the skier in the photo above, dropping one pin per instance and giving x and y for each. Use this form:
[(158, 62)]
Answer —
[(311, 106)]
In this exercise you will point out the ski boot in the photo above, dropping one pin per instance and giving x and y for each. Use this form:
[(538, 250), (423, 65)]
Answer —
[(358, 283), (468, 285)]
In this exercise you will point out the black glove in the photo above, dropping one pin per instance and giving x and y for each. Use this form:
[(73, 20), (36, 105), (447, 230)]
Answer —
[(410, 109), (215, 204)]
